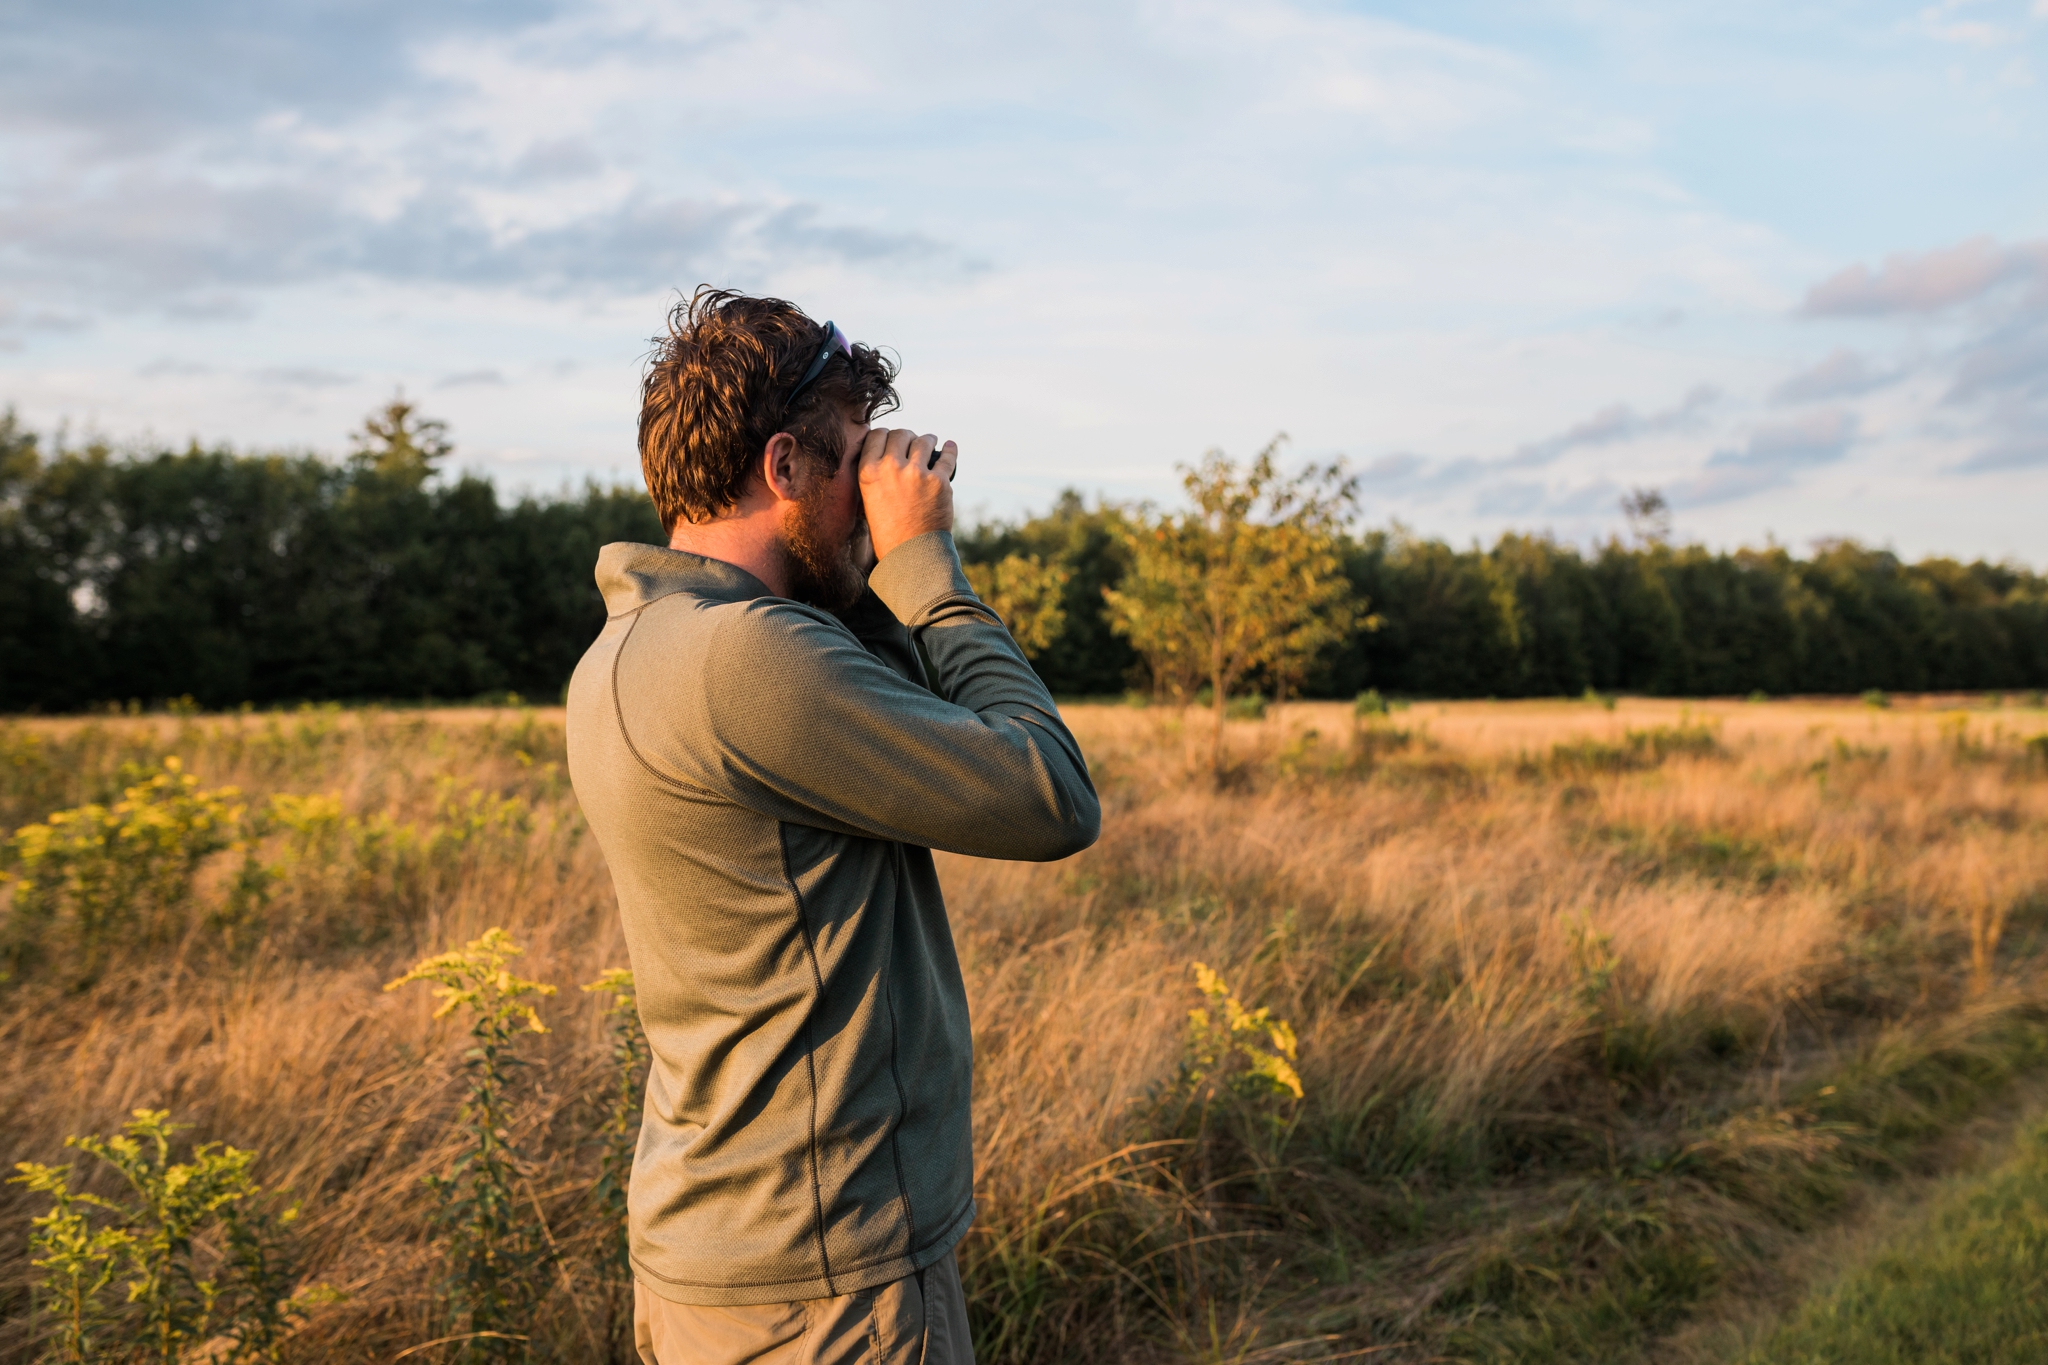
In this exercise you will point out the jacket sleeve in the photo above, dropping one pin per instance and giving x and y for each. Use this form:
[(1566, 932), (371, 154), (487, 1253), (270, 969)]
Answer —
[(876, 627), (811, 727)]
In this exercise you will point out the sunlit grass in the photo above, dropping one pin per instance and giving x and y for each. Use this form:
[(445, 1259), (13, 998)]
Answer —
[(1591, 1010)]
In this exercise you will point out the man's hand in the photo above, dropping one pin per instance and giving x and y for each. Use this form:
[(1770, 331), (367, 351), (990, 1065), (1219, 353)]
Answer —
[(904, 498)]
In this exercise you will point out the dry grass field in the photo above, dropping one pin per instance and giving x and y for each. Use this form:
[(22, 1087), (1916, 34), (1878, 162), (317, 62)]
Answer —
[(1598, 1011)]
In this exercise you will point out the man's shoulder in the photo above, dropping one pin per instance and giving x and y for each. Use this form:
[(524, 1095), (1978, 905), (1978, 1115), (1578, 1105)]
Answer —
[(769, 642)]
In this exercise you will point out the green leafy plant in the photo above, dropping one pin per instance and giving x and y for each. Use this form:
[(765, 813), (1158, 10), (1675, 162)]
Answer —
[(239, 1314), (1645, 748), (497, 1252), (617, 1135), (96, 877), (1028, 594), (77, 1262), (1245, 1052)]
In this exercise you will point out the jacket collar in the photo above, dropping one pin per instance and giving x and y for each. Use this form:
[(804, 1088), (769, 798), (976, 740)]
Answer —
[(630, 576)]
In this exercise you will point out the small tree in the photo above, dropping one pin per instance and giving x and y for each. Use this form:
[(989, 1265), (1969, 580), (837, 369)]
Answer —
[(1649, 516), (1026, 592), (496, 1253), (1247, 578), (1297, 644), (617, 1136), (397, 442)]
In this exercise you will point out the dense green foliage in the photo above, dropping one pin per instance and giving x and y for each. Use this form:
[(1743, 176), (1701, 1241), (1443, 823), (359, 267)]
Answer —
[(1533, 617), (271, 578)]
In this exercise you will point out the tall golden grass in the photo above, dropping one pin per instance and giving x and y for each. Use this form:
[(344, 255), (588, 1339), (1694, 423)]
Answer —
[(1589, 1025)]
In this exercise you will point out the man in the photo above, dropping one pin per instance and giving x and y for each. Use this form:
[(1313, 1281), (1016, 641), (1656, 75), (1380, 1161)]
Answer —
[(767, 767)]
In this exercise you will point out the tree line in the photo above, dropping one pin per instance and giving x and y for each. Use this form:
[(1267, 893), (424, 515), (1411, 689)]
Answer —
[(284, 577), (273, 578)]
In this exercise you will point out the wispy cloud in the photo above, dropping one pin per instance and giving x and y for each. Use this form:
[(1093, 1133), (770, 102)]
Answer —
[(1773, 456), (2022, 454), (115, 79), (303, 377), (1102, 235), (2009, 359), (1616, 423), (1840, 374), (552, 160), (180, 243), (169, 368), (1927, 282), (1989, 381), (1499, 486), (1795, 443)]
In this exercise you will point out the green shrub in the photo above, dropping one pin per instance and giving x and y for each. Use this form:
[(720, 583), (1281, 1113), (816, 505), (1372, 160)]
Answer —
[(98, 877), (497, 1253), (618, 1134), (1237, 1065), (239, 1314), (1646, 748), (1247, 1053)]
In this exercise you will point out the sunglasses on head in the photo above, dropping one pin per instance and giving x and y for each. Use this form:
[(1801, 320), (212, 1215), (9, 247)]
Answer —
[(835, 340)]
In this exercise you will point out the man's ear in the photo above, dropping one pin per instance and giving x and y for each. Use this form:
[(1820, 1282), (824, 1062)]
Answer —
[(779, 467)]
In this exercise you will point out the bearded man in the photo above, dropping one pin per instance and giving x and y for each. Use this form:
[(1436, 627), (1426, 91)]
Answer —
[(767, 765)]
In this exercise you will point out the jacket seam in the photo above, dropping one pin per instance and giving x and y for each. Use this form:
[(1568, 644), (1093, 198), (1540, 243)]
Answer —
[(920, 619), (896, 1078), (619, 711), (803, 925)]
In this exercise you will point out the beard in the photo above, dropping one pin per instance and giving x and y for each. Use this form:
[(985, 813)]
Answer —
[(822, 573)]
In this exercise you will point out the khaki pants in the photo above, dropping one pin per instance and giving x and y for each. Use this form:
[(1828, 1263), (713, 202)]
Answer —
[(920, 1319)]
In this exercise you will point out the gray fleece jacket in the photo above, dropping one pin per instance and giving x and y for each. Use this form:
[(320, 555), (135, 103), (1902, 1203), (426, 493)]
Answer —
[(767, 781)]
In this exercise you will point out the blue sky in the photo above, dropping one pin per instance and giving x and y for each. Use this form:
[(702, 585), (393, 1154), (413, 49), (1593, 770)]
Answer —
[(1787, 263)]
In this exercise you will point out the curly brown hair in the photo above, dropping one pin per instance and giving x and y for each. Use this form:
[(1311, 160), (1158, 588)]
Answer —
[(717, 390)]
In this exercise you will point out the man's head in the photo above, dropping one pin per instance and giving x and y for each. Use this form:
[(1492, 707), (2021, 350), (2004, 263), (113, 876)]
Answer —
[(720, 416)]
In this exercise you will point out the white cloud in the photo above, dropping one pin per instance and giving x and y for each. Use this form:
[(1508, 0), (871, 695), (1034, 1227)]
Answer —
[(1797, 442), (1102, 237), (1618, 422), (1774, 456), (303, 377), (2027, 452), (1928, 281), (1842, 373)]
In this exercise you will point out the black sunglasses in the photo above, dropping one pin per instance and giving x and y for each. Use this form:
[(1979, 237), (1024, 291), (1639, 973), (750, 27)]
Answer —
[(835, 340)]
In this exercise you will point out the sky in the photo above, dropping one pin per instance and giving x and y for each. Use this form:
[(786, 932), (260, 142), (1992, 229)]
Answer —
[(1786, 264)]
